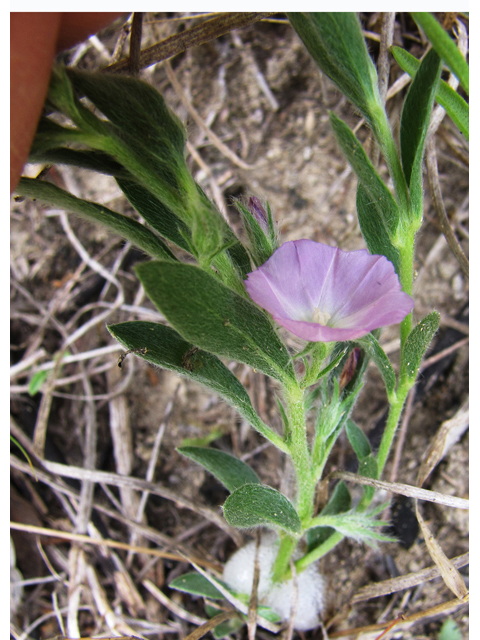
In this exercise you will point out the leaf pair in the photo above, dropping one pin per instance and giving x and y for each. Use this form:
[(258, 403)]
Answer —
[(141, 144), (251, 504)]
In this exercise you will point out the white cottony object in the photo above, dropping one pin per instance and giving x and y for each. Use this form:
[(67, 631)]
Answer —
[(238, 574)]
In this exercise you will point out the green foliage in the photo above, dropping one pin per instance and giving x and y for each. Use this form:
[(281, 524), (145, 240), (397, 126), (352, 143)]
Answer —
[(359, 526), (378, 355), (255, 505), (373, 229), (215, 318), (415, 119), (417, 344), (335, 41), (230, 471), (133, 106), (130, 229), (340, 501), (450, 631), (197, 585), (36, 382), (368, 467), (160, 217), (358, 440), (167, 349), (450, 100), (262, 244), (444, 46), (142, 145), (386, 209)]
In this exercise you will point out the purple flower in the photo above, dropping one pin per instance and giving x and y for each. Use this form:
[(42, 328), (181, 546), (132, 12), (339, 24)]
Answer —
[(323, 294)]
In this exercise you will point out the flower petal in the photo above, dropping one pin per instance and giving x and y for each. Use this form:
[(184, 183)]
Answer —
[(354, 291)]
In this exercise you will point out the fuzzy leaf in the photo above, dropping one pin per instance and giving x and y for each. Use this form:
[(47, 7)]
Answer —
[(255, 505), (380, 197), (340, 501), (91, 160), (160, 217), (130, 229), (260, 245), (336, 43), (373, 229), (197, 585), (358, 440), (368, 467), (378, 355), (418, 342), (167, 349), (450, 100), (230, 471), (215, 318), (359, 526), (132, 105), (444, 46), (414, 122)]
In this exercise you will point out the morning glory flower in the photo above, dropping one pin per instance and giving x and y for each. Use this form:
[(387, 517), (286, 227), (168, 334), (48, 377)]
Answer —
[(324, 294)]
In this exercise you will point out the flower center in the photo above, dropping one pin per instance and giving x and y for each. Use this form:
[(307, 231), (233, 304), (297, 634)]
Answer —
[(321, 317)]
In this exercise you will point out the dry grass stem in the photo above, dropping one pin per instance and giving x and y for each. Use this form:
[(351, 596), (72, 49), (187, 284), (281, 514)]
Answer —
[(436, 192), (447, 435), (407, 581), (172, 606), (403, 489), (406, 622), (114, 544), (450, 574), (178, 43), (214, 139)]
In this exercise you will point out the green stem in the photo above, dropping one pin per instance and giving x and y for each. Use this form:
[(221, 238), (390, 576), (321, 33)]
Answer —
[(391, 426), (299, 451), (281, 566), (319, 551)]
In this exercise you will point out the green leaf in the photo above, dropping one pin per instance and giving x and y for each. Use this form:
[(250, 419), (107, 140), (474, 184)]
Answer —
[(167, 349), (134, 106), (226, 628), (160, 217), (130, 229), (340, 501), (91, 160), (444, 46), (197, 585), (368, 467), (378, 355), (382, 200), (260, 245), (230, 471), (215, 318), (336, 43), (358, 440), (36, 382), (414, 122), (418, 342), (359, 526), (450, 631), (453, 103), (255, 505), (373, 230)]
